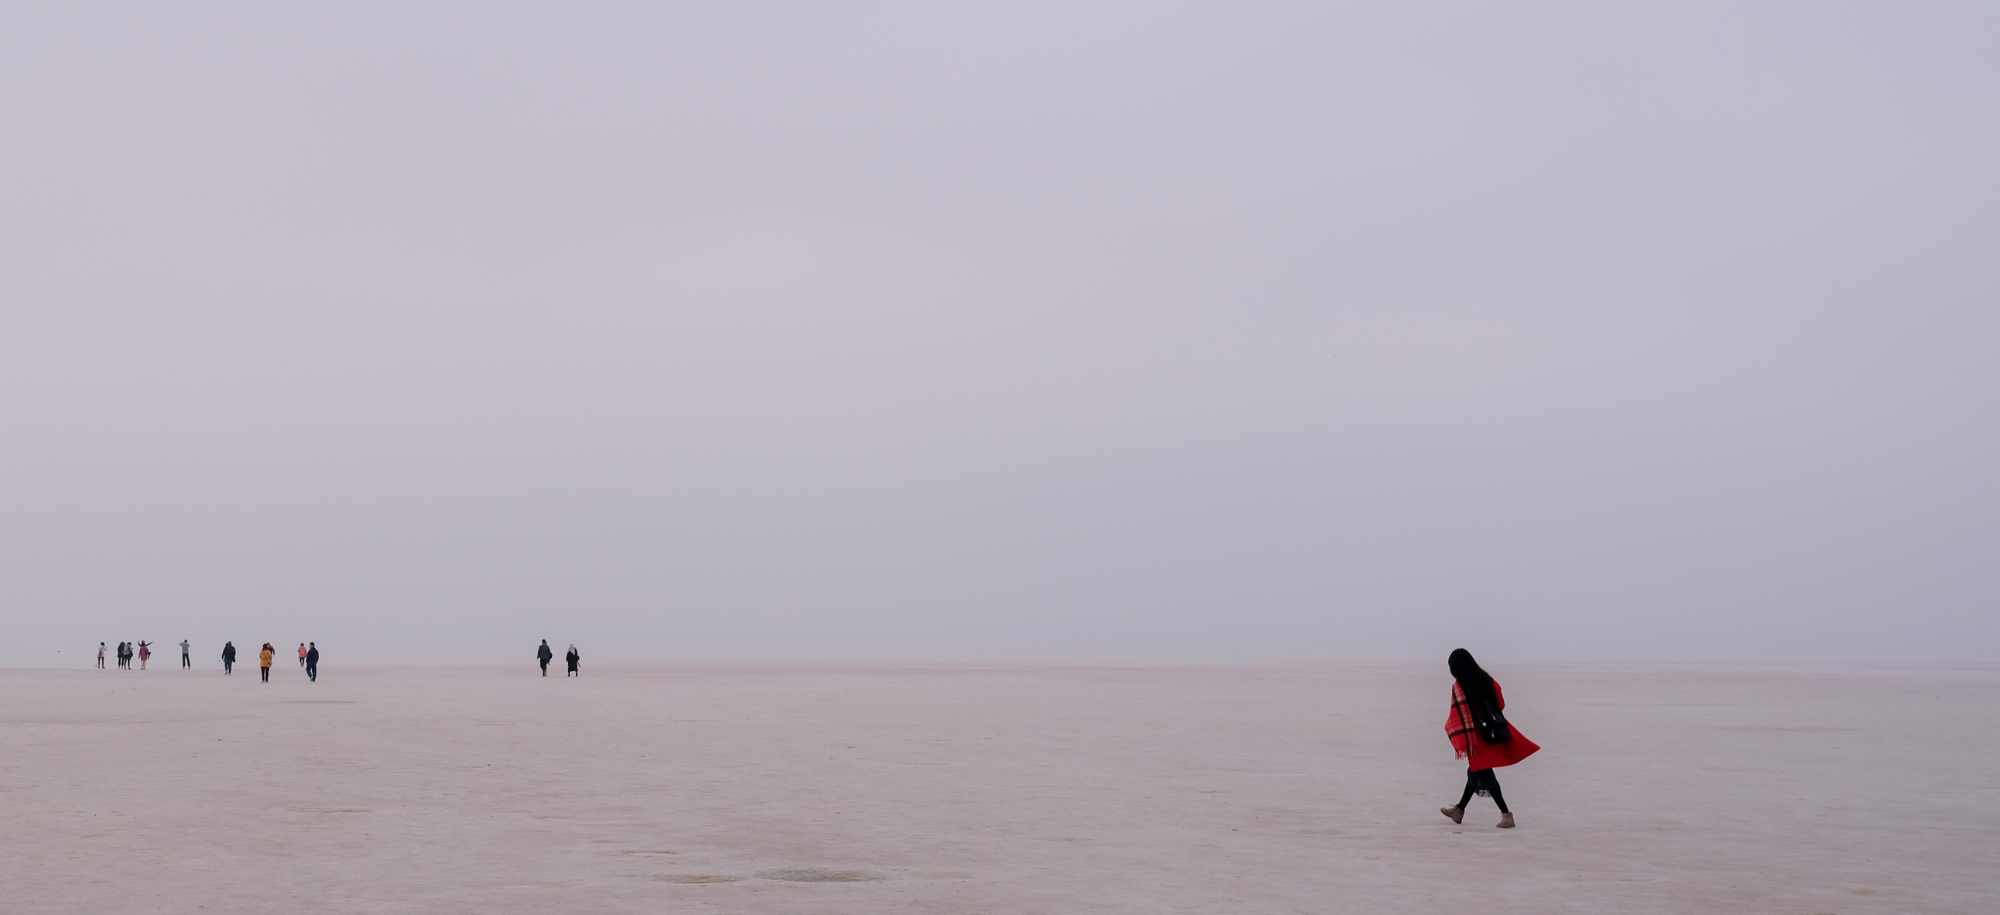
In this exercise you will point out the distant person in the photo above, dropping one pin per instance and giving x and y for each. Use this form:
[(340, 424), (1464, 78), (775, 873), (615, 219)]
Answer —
[(302, 654), (186, 662), (1482, 735), (572, 658), (543, 654), (228, 657), (264, 661), (145, 651), (124, 655), (312, 661), (100, 656)]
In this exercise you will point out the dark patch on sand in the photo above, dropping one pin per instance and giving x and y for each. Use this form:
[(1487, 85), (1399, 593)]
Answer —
[(819, 875)]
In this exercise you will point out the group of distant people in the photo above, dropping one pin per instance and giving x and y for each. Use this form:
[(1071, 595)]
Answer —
[(143, 650), (308, 657), (545, 654)]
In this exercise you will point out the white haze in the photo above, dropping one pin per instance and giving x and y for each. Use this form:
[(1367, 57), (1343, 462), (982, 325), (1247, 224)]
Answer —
[(1136, 332)]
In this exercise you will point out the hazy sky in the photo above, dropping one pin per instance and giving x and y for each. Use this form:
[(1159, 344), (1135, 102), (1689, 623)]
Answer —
[(1138, 331)]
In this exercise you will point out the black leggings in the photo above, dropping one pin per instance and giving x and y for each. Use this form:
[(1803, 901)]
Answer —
[(1482, 781)]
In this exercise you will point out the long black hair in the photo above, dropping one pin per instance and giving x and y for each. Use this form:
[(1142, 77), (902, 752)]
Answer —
[(1474, 681)]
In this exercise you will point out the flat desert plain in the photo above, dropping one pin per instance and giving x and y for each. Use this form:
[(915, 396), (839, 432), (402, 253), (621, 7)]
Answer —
[(1003, 789)]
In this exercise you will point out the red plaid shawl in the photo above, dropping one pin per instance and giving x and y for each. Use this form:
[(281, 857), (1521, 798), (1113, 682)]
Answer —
[(1465, 739)]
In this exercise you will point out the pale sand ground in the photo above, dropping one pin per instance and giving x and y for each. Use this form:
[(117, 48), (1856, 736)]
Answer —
[(961, 789)]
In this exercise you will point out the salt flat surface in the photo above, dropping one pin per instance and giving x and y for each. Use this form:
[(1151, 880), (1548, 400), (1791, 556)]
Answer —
[(852, 789)]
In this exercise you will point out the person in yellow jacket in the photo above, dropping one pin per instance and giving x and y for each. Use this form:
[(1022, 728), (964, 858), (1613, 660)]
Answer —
[(264, 661)]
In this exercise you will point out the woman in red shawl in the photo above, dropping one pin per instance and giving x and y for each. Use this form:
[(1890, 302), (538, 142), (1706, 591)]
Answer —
[(1475, 704)]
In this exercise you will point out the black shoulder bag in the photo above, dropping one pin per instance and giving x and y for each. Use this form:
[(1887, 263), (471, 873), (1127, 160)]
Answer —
[(1490, 722)]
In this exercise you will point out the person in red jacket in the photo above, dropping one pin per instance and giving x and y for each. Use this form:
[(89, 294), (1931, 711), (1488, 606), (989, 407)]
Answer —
[(1476, 702)]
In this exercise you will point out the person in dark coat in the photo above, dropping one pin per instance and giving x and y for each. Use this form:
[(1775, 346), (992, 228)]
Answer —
[(312, 661), (572, 658), (1476, 702), (544, 655), (228, 657)]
